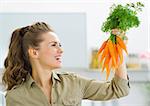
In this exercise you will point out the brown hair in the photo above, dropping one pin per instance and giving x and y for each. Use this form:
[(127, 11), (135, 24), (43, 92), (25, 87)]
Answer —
[(17, 64)]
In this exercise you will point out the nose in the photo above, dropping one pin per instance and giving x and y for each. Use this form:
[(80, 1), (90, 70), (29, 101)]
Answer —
[(60, 50)]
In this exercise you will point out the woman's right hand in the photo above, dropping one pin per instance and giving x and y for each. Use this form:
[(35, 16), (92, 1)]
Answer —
[(120, 33)]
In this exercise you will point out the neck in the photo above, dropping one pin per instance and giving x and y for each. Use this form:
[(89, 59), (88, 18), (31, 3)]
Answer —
[(42, 76)]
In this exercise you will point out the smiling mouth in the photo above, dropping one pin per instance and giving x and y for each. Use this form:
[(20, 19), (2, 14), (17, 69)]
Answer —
[(58, 59)]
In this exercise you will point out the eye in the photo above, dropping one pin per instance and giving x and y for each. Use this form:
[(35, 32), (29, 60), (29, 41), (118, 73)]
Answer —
[(60, 45), (53, 44)]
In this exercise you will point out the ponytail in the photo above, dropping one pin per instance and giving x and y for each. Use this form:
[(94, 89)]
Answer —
[(14, 63)]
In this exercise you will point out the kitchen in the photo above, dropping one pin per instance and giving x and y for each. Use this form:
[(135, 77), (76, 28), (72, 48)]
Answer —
[(78, 25)]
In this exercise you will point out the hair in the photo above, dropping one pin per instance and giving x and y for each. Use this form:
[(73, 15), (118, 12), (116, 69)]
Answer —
[(17, 64)]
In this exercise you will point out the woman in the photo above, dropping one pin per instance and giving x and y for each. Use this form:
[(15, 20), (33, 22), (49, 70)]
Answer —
[(34, 54)]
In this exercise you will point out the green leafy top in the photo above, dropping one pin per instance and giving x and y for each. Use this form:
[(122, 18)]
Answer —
[(123, 17)]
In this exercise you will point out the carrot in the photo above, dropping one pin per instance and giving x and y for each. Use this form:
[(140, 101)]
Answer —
[(112, 64), (107, 72), (108, 67), (121, 43), (115, 53), (119, 49), (104, 53), (106, 62), (112, 52), (102, 47)]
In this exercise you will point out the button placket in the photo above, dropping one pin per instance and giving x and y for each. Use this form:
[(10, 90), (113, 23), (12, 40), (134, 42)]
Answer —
[(42, 94), (52, 91)]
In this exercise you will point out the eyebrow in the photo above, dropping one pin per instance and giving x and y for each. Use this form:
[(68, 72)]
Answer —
[(54, 42)]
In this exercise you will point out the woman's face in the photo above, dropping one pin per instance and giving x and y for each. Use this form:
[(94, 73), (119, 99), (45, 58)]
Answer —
[(50, 51)]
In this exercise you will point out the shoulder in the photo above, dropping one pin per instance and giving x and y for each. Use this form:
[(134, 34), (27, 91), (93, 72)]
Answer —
[(66, 74), (14, 96), (15, 92)]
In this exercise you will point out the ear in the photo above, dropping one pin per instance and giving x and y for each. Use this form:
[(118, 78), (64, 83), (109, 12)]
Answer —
[(33, 53)]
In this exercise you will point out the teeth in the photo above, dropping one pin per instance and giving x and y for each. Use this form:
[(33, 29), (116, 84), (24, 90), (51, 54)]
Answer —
[(57, 58)]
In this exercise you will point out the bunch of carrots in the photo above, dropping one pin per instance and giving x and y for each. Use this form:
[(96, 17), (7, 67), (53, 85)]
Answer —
[(111, 53)]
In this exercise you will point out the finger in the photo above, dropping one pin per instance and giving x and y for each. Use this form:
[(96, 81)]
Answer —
[(115, 31)]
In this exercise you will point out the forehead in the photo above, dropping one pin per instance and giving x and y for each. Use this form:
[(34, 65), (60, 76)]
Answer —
[(50, 36)]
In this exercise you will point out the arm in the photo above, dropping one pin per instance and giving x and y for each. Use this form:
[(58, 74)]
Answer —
[(96, 90), (121, 72)]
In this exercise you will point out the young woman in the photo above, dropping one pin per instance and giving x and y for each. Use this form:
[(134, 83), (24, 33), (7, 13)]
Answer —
[(34, 53)]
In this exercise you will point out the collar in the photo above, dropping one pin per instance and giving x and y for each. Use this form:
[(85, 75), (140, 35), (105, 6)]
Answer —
[(29, 80), (55, 75)]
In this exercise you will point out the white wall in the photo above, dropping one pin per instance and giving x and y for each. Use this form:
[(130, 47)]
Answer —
[(96, 11)]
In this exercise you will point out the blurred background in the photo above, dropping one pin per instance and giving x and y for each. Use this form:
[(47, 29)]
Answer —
[(78, 25)]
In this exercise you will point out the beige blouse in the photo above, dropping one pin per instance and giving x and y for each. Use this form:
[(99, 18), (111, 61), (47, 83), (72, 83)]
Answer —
[(68, 89)]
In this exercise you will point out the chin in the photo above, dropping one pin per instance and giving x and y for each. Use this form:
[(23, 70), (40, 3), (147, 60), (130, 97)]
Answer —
[(56, 67)]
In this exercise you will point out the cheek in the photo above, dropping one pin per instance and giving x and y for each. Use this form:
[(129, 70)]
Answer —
[(47, 54)]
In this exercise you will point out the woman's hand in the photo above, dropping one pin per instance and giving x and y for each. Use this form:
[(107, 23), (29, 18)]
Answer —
[(120, 33), (115, 31)]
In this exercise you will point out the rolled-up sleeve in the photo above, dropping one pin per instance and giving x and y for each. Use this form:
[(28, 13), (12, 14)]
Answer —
[(96, 90)]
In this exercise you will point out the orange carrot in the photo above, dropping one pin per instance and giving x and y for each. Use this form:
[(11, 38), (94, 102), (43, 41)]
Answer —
[(112, 64), (119, 49), (102, 47), (104, 53), (121, 43), (106, 62), (108, 67), (115, 53), (112, 52), (107, 72)]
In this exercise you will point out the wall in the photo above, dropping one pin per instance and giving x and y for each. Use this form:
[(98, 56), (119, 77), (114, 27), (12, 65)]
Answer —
[(64, 25), (96, 12)]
